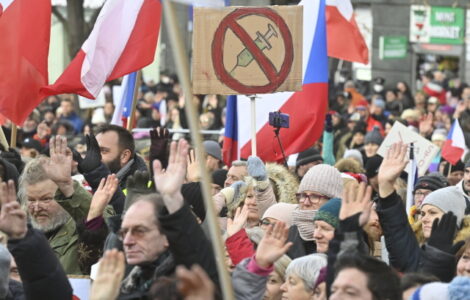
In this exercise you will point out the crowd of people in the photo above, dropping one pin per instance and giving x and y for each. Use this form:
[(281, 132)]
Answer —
[(80, 196)]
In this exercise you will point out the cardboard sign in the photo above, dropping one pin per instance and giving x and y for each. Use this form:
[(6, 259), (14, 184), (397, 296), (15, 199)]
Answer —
[(247, 50), (424, 150), (81, 287)]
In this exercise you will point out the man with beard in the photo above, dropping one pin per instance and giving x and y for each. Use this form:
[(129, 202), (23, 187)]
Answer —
[(464, 186), (55, 204)]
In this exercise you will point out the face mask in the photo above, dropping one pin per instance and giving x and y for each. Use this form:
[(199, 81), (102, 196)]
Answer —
[(378, 88), (165, 80)]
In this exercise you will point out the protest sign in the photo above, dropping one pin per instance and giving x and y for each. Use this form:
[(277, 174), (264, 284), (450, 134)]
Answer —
[(247, 50), (424, 150)]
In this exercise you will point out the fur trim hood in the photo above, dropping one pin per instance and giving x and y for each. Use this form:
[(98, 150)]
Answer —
[(284, 183)]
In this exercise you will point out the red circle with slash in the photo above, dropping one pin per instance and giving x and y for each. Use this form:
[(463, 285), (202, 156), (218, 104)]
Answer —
[(275, 78)]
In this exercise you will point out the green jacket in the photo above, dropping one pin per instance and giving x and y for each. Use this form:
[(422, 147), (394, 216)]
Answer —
[(66, 242)]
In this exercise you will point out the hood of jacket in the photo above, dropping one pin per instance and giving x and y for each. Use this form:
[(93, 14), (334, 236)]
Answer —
[(284, 183)]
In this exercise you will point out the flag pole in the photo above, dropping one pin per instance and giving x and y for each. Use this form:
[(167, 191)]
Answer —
[(253, 124), (410, 181), (131, 119), (182, 67), (14, 132)]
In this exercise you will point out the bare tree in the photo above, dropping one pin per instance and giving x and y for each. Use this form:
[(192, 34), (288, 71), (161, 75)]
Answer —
[(76, 27)]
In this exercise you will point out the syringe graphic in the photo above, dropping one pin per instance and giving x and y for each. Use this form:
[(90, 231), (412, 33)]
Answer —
[(245, 57)]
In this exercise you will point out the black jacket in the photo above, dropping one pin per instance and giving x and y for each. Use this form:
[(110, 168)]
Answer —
[(300, 247), (40, 270), (405, 253)]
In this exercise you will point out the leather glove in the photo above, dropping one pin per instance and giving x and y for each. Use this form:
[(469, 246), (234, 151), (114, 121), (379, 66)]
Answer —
[(443, 233), (328, 123), (159, 138), (92, 159), (256, 168), (137, 185)]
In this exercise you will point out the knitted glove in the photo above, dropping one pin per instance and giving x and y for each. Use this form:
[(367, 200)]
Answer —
[(328, 123), (92, 159), (136, 185), (256, 168), (159, 138), (233, 194), (443, 232)]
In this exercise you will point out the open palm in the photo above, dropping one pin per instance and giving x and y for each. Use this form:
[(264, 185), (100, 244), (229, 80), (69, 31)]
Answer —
[(393, 164), (12, 217), (59, 166), (273, 245)]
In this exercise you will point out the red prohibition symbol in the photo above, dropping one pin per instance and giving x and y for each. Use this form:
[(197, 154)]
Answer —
[(274, 77)]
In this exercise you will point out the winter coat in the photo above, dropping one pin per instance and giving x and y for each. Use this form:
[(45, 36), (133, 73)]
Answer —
[(40, 270), (248, 285), (76, 252), (299, 247), (239, 247), (188, 246), (9, 172), (405, 253)]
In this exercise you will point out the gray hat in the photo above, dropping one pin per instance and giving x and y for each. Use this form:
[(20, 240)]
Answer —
[(354, 153), (323, 179), (448, 199), (379, 103), (212, 148), (373, 137)]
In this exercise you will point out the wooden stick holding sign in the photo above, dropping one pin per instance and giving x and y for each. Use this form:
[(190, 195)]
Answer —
[(3, 139), (253, 124), (14, 133), (182, 67)]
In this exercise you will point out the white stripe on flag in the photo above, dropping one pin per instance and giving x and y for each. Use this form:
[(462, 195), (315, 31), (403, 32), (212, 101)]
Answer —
[(5, 4), (119, 101), (107, 41), (203, 3)]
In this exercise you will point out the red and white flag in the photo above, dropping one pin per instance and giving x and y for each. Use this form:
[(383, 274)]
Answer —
[(25, 27), (344, 39), (123, 40), (455, 148)]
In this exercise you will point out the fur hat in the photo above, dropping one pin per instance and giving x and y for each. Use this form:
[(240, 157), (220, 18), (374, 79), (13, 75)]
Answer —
[(329, 212), (323, 179), (448, 199)]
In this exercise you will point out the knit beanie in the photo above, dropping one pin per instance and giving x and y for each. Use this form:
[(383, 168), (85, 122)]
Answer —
[(372, 165), (323, 179), (329, 212), (354, 153), (428, 182), (308, 156), (281, 212), (432, 291), (373, 137), (219, 176), (5, 260), (448, 199), (459, 288)]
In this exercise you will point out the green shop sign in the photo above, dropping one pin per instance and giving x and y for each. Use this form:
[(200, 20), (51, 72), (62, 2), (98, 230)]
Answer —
[(437, 25), (393, 47)]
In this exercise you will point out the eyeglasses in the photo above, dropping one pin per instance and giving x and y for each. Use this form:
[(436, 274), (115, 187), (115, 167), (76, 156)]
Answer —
[(301, 197), (46, 201), (137, 232), (265, 222)]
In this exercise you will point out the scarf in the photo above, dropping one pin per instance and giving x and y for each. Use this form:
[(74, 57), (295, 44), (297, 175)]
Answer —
[(303, 219)]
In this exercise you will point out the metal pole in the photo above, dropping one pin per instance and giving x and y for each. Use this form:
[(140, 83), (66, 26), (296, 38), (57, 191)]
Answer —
[(253, 124), (131, 119), (182, 67)]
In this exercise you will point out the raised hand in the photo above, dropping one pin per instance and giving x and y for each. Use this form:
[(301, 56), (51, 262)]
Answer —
[(194, 284), (256, 168), (356, 199), (273, 245), (393, 164), (159, 138), (136, 185), (169, 181), (110, 273), (443, 232), (12, 217), (193, 167), (238, 222), (102, 196), (92, 158), (426, 125), (59, 166)]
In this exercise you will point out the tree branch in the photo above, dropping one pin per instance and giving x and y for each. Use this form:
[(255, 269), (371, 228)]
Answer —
[(58, 15)]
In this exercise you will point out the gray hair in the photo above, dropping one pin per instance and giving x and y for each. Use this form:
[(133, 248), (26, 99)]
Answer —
[(239, 163), (307, 268), (32, 173)]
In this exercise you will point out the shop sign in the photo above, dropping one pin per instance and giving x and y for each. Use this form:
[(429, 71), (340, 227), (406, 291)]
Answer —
[(437, 25), (393, 47)]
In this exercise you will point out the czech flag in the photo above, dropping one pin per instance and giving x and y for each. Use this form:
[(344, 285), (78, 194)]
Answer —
[(306, 108), (454, 148), (123, 40), (345, 41), (123, 102), (25, 27)]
